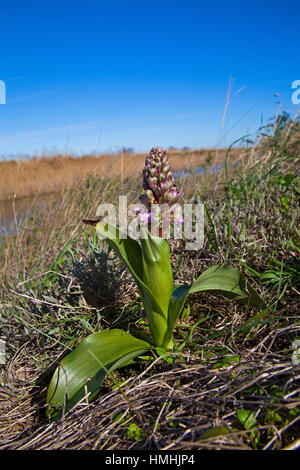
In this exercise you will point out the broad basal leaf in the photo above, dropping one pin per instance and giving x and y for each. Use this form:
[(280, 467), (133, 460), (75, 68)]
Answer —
[(82, 372), (149, 263), (228, 282)]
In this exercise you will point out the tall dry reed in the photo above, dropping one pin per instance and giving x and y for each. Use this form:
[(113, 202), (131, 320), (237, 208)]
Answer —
[(30, 177)]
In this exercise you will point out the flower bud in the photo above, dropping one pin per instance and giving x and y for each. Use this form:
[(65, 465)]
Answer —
[(158, 179)]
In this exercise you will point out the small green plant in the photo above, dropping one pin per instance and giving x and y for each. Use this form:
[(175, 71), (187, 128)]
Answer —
[(248, 420), (134, 432), (80, 374), (281, 276)]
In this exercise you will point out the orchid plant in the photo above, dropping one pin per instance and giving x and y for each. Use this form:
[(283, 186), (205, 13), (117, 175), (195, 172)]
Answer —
[(80, 374)]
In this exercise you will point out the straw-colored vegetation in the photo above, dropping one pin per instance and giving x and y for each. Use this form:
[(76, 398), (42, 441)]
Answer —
[(230, 384), (51, 174)]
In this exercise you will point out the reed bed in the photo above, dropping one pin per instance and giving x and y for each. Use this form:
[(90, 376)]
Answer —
[(53, 174)]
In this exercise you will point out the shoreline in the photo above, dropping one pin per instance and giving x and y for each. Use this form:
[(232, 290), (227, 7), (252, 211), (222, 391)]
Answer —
[(54, 174)]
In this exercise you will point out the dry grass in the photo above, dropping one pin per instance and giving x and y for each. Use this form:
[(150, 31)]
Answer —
[(189, 405), (56, 173), (58, 284)]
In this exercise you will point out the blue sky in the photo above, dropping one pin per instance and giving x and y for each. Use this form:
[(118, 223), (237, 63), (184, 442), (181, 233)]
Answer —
[(99, 76)]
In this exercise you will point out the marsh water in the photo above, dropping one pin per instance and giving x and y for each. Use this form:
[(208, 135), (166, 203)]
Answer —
[(15, 211), (199, 171)]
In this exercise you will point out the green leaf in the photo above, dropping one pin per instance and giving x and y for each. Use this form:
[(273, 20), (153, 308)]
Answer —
[(228, 282), (127, 249), (226, 361), (158, 277), (164, 355), (246, 418), (82, 371), (214, 432), (157, 272), (176, 304), (185, 313), (134, 432), (149, 263)]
